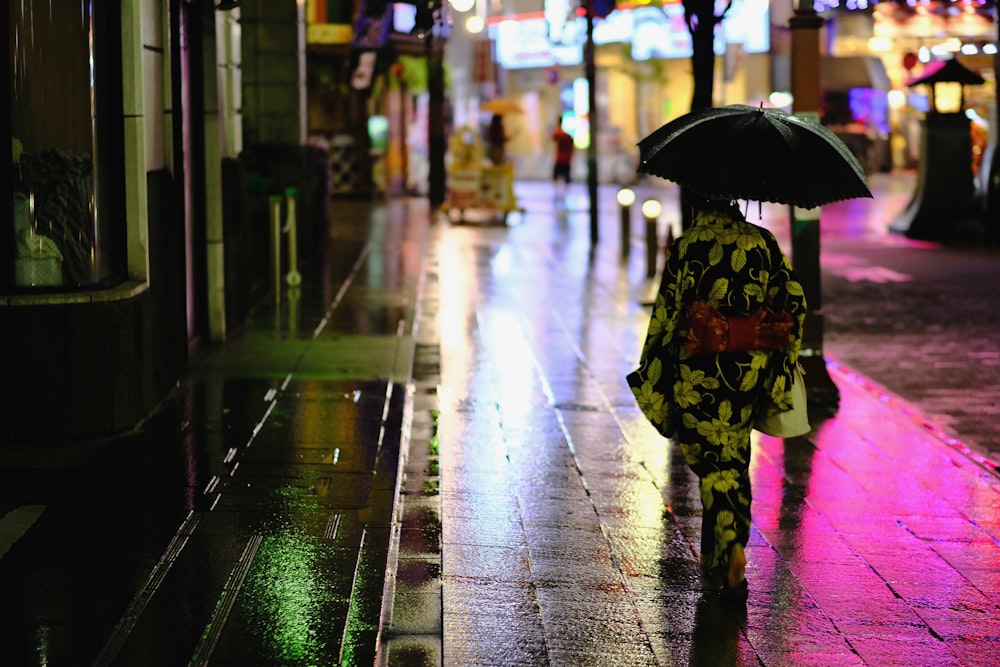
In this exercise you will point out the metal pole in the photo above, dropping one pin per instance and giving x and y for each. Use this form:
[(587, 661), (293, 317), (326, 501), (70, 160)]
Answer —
[(805, 24), (651, 247), (436, 140), (991, 159), (591, 70), (276, 247), (626, 197), (651, 212), (293, 277), (626, 231)]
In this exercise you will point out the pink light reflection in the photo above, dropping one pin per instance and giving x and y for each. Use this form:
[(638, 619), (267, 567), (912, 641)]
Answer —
[(887, 520)]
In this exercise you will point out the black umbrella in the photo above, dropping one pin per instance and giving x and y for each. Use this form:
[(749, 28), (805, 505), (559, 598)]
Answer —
[(742, 152)]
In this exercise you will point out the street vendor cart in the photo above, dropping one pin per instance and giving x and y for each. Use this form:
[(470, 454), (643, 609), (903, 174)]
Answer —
[(478, 192)]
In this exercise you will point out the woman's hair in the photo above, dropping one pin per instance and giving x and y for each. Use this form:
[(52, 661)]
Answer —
[(699, 202)]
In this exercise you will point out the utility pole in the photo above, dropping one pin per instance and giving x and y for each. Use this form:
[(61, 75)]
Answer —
[(991, 206), (591, 72), (436, 140), (805, 24)]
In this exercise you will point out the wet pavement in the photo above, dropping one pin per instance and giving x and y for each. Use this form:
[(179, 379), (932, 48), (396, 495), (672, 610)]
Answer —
[(249, 521), (428, 456), (569, 532)]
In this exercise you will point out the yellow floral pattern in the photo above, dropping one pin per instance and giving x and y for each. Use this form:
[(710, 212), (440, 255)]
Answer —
[(708, 403)]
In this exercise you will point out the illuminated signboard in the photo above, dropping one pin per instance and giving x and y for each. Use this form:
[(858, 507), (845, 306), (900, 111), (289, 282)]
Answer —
[(404, 17), (522, 44), (654, 32)]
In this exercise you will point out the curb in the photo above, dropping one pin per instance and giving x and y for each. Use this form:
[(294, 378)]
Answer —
[(896, 403)]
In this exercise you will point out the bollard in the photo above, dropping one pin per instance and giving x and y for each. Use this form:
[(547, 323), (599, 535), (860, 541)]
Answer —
[(626, 197), (292, 308), (651, 211), (275, 202), (669, 241), (293, 277)]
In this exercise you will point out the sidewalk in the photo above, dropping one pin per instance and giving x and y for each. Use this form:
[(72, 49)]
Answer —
[(248, 522), (569, 532), (449, 400)]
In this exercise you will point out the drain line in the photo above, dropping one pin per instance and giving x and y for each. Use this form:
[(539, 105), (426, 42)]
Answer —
[(213, 631), (145, 594)]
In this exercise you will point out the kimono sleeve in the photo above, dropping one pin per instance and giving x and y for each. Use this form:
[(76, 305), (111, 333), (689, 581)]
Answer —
[(785, 293), (653, 381)]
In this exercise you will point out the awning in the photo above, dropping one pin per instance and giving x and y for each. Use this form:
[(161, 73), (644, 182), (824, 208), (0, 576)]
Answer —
[(841, 73)]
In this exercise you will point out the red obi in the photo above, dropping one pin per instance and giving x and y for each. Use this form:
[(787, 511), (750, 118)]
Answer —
[(711, 332)]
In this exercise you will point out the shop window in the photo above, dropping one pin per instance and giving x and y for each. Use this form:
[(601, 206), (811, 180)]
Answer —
[(65, 177)]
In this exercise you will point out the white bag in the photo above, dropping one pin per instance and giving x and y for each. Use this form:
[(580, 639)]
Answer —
[(788, 423)]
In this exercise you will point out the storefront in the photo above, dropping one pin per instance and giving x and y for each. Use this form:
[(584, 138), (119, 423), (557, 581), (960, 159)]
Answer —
[(368, 93), (129, 238), (87, 345), (874, 49), (643, 77)]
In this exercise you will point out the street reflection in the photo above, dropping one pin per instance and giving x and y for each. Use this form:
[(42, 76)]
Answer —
[(715, 641), (545, 455), (287, 595)]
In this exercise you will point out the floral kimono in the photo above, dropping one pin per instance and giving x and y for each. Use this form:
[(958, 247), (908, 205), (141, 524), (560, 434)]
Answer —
[(709, 402)]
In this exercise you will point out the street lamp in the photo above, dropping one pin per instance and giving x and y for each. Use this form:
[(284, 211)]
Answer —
[(626, 197)]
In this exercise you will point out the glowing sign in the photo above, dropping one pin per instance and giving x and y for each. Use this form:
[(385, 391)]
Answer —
[(654, 32)]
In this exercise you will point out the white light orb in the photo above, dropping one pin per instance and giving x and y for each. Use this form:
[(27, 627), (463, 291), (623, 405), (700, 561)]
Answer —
[(475, 25), (651, 208), (625, 197)]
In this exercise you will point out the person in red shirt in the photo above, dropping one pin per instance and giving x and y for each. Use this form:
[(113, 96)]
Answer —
[(564, 157)]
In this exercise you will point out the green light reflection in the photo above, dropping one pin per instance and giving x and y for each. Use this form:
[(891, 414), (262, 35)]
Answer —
[(289, 597)]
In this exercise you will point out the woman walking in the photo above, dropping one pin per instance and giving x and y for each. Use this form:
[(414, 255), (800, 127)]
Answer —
[(720, 351)]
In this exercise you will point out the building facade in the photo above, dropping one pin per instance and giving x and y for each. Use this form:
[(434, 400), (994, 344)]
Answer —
[(150, 137), (146, 137)]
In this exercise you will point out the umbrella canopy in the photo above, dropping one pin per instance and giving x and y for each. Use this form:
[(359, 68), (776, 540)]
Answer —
[(501, 105), (742, 152)]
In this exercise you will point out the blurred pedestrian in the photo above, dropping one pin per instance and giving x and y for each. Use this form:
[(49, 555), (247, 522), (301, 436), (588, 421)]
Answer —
[(564, 157), (720, 350), (496, 140)]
